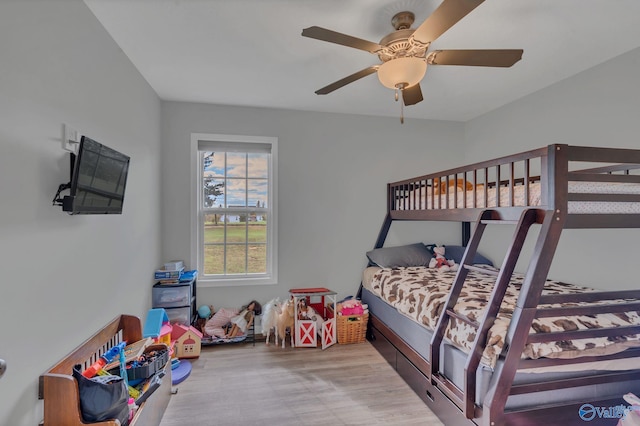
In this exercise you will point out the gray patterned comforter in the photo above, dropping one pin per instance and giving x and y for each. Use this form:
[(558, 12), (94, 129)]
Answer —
[(420, 293)]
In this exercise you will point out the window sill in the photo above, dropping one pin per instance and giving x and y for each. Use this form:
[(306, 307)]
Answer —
[(234, 282)]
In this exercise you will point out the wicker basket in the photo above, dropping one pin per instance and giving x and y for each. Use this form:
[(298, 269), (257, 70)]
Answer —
[(352, 328)]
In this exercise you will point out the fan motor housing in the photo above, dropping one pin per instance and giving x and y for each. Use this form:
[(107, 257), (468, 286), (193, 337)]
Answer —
[(399, 44)]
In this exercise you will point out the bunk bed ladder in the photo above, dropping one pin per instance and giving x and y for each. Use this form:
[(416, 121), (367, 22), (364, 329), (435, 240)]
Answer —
[(466, 398), (528, 218), (524, 313)]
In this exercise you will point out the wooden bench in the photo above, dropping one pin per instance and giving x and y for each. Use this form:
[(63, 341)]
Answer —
[(59, 389)]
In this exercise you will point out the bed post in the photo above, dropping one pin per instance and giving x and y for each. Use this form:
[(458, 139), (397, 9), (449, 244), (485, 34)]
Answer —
[(382, 235), (384, 230), (466, 233)]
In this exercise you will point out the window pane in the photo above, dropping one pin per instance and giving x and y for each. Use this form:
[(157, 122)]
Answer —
[(257, 192), (213, 259), (258, 166), (257, 228), (213, 164), (237, 231), (213, 192), (236, 192), (213, 228), (236, 259), (236, 164), (257, 258)]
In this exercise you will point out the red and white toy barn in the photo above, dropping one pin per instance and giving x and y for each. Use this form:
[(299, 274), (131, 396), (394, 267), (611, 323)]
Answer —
[(314, 308)]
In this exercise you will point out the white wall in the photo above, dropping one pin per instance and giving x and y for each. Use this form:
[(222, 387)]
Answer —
[(66, 276), (332, 174), (598, 107)]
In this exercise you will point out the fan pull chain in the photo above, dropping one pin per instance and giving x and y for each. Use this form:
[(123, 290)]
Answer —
[(398, 90)]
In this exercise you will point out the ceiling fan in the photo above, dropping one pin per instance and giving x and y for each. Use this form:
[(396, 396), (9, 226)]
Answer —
[(404, 52)]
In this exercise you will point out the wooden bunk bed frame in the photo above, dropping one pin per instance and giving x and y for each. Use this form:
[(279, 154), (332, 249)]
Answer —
[(413, 199)]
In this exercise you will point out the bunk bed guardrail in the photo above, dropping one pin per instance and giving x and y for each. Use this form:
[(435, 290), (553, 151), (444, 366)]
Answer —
[(550, 178)]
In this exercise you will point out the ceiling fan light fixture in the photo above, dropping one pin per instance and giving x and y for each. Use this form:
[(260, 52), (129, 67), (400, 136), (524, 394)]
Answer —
[(402, 72)]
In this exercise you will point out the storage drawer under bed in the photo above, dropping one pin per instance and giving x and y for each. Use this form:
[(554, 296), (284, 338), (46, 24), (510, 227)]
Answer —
[(384, 347), (435, 400)]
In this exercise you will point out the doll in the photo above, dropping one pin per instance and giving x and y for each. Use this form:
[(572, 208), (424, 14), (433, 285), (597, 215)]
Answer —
[(240, 320)]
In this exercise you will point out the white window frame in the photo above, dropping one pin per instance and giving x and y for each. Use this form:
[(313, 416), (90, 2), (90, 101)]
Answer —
[(197, 248)]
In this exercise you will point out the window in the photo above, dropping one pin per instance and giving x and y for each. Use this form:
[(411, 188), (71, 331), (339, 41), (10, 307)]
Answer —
[(235, 214)]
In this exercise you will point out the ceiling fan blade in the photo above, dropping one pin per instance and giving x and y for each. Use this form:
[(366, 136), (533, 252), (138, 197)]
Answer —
[(349, 79), (444, 17), (346, 40), (477, 58), (412, 95)]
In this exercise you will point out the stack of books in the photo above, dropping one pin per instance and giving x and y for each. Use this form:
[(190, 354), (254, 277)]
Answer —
[(168, 277), (171, 273)]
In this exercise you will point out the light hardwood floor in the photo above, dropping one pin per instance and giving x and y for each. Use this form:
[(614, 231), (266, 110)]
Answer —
[(267, 385)]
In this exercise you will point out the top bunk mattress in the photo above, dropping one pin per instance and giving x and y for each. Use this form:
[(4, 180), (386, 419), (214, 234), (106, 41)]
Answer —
[(423, 199)]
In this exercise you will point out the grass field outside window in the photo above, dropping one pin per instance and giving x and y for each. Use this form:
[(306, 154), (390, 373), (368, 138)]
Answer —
[(236, 248)]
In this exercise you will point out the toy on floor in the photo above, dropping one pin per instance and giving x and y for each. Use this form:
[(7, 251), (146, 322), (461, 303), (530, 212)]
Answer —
[(351, 307), (180, 373), (214, 327), (270, 314), (306, 312), (242, 321), (187, 341), (157, 326), (231, 324), (286, 319), (205, 311)]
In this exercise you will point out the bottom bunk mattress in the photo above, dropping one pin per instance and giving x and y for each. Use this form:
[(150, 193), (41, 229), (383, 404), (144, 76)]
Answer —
[(453, 362), (420, 293)]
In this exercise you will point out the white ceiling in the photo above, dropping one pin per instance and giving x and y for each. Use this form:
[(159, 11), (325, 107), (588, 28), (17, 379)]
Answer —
[(251, 53)]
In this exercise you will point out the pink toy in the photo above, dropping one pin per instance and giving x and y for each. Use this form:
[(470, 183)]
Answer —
[(351, 307), (214, 326), (187, 341)]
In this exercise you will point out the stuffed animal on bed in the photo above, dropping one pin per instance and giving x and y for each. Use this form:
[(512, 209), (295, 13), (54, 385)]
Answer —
[(440, 186), (440, 262)]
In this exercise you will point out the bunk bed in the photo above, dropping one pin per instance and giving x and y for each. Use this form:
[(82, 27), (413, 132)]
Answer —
[(499, 360)]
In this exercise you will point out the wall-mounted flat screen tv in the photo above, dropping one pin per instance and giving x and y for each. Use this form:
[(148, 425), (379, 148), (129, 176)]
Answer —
[(98, 180)]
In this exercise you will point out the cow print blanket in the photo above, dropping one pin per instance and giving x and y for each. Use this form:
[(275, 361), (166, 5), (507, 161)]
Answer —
[(420, 293)]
